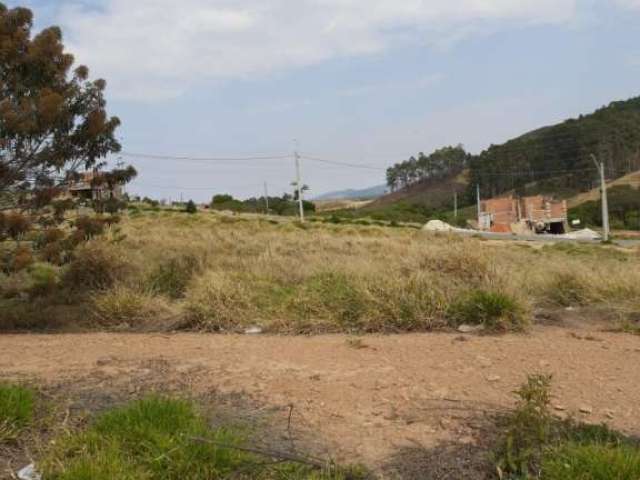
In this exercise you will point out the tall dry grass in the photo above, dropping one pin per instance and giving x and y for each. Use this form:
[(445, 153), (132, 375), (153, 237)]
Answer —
[(224, 273)]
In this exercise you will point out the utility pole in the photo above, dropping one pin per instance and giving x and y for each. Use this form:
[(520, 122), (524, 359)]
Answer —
[(299, 185), (455, 204), (479, 209), (605, 202), (266, 197)]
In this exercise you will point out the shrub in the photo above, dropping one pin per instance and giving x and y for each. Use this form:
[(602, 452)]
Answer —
[(22, 258), (44, 278), (55, 253), (94, 267), (16, 225), (16, 410), (496, 311), (172, 276), (50, 235), (89, 227), (191, 207)]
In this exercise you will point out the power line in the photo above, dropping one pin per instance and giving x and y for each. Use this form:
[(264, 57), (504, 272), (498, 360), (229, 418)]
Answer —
[(202, 159), (341, 163)]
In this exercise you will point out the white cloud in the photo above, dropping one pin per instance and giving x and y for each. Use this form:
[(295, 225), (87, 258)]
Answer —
[(628, 3), (151, 49)]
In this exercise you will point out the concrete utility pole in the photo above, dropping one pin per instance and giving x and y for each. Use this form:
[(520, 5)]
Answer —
[(605, 202), (299, 186), (266, 197), (455, 204), (479, 209)]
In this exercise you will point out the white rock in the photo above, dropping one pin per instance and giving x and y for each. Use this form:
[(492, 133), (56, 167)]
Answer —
[(255, 330), (29, 473)]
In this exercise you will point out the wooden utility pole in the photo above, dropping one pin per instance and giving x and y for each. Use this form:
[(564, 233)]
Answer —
[(606, 233)]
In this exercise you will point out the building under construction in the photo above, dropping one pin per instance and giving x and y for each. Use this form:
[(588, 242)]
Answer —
[(525, 215)]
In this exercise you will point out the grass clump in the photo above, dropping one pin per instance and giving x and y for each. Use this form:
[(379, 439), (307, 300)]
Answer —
[(593, 462), (17, 405), (538, 445), (172, 277), (217, 302), (163, 439), (495, 310), (332, 296)]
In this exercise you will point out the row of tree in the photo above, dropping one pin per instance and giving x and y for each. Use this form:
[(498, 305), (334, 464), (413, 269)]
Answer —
[(285, 205), (442, 163)]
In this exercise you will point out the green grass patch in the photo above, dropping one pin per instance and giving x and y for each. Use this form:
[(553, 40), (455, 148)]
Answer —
[(592, 462), (17, 405), (535, 444), (166, 439), (496, 311)]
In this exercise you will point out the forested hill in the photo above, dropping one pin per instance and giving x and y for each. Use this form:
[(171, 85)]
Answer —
[(558, 158)]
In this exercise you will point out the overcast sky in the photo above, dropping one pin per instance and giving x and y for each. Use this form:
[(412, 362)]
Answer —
[(362, 81)]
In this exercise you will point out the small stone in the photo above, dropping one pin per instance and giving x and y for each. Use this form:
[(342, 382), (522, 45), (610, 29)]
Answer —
[(484, 362), (609, 414), (493, 378), (560, 408), (255, 330), (470, 328), (587, 410)]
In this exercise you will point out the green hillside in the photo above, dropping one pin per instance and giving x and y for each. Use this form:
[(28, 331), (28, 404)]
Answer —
[(557, 159)]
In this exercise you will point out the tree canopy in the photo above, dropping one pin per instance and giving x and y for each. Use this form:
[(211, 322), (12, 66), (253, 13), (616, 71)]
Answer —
[(53, 119), (442, 163)]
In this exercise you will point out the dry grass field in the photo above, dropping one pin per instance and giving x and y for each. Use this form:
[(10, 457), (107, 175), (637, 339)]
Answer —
[(214, 272)]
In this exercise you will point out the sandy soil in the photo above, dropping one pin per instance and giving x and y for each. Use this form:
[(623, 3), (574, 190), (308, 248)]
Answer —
[(365, 399)]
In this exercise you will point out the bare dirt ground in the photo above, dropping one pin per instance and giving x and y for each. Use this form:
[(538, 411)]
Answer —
[(375, 400)]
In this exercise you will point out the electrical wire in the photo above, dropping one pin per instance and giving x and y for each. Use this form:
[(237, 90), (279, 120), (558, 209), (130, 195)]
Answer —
[(203, 159)]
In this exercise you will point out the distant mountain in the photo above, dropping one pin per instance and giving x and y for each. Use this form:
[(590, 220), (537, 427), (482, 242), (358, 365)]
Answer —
[(355, 194)]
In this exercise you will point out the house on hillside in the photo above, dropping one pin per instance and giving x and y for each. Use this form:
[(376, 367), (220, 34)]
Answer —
[(525, 215), (89, 187)]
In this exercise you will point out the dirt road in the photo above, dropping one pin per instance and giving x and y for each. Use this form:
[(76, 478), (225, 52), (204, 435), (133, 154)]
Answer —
[(367, 398)]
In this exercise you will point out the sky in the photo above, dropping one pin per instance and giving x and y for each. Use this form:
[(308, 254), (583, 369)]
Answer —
[(368, 82)]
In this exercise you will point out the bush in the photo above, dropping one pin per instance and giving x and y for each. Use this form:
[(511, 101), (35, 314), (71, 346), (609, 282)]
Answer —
[(89, 227), (191, 207), (16, 225), (16, 410), (94, 267), (44, 278), (496, 311), (22, 258), (172, 277)]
